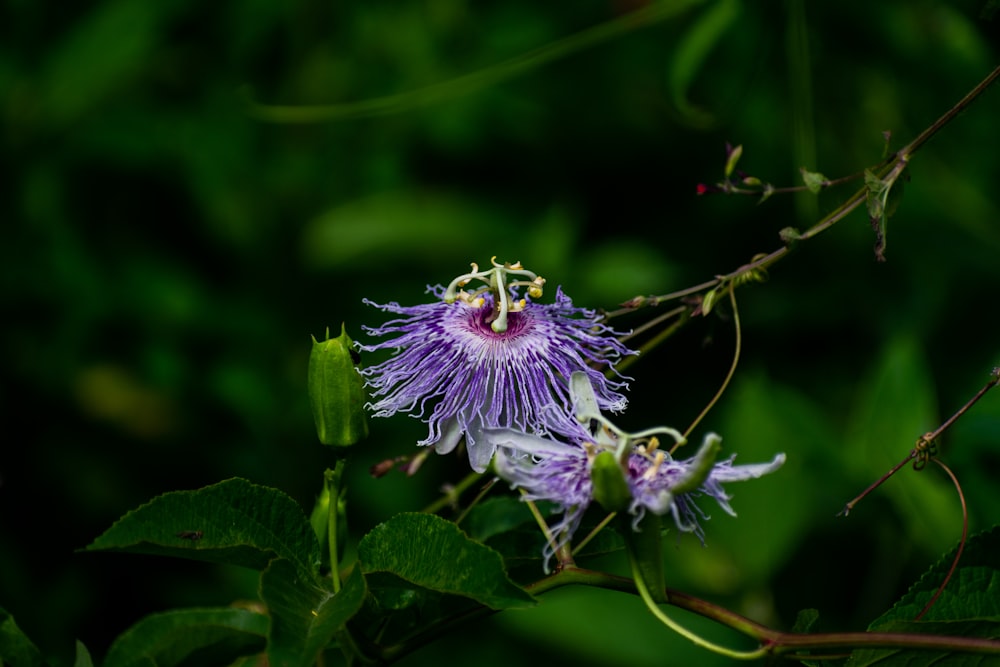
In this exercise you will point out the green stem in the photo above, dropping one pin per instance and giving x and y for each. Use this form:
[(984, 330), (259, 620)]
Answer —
[(332, 479), (890, 170), (732, 366), (681, 630), (452, 495)]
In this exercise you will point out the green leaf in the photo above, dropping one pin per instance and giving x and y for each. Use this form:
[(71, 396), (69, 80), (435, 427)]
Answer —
[(305, 616), (969, 606), (82, 658), (646, 546), (433, 553), (523, 544), (693, 51), (109, 46), (878, 193), (488, 76), (894, 406), (813, 180), (16, 649), (805, 620), (734, 157), (234, 522), (189, 636), (494, 516)]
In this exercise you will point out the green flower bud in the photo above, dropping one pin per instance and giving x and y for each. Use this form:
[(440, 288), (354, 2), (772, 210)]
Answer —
[(610, 488), (337, 392)]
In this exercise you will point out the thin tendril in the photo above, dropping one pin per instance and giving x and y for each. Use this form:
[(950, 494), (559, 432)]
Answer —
[(592, 534), (961, 544), (681, 630), (732, 367)]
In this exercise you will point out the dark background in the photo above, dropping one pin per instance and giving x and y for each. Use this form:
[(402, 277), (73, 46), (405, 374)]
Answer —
[(166, 256)]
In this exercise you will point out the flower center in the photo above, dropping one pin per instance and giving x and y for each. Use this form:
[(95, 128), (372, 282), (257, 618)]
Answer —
[(497, 282)]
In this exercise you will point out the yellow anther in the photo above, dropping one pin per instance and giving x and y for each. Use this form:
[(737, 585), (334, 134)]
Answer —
[(654, 442), (655, 468)]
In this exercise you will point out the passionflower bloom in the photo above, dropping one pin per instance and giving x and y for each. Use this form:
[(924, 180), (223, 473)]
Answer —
[(490, 359), (563, 470)]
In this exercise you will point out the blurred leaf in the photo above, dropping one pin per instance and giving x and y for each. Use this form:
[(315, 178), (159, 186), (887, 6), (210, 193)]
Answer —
[(232, 522), (895, 405), (620, 268), (760, 418), (805, 620), (104, 50), (189, 636), (16, 649), (969, 606), (414, 547), (692, 53), (396, 226), (475, 81), (305, 617), (82, 658)]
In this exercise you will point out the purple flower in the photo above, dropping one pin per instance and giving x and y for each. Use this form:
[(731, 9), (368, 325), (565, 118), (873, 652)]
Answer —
[(546, 469), (489, 359), (654, 481)]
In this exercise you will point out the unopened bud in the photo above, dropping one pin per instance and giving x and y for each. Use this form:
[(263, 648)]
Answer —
[(336, 392)]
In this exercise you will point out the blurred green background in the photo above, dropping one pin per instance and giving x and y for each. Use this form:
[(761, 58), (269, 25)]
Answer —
[(167, 255)]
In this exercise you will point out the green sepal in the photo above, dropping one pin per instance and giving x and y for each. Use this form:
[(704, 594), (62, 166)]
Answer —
[(610, 488), (701, 466), (337, 392)]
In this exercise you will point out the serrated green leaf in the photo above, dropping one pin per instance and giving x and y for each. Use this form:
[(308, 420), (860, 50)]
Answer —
[(16, 649), (234, 522), (416, 547), (494, 516), (969, 606), (524, 543), (189, 636), (305, 616)]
